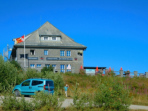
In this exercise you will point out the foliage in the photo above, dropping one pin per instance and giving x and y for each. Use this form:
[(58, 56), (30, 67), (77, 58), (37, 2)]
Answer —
[(16, 64), (8, 74), (32, 73), (37, 101), (47, 69), (111, 94), (81, 100), (44, 99), (82, 72), (110, 73)]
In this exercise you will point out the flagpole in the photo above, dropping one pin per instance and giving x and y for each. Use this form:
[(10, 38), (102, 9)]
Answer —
[(24, 53)]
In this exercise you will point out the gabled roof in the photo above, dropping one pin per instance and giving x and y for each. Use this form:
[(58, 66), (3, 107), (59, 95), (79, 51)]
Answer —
[(33, 39)]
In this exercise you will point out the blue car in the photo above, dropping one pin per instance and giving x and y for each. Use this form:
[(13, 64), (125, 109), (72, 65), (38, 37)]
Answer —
[(30, 86)]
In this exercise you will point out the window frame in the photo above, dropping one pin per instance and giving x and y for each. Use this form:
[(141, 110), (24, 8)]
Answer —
[(32, 52), (62, 52), (32, 65), (54, 39), (38, 65), (47, 65), (68, 53), (62, 68), (68, 70), (45, 53), (46, 38)]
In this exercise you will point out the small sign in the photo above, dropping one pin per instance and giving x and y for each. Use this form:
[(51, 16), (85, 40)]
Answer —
[(69, 67), (33, 58)]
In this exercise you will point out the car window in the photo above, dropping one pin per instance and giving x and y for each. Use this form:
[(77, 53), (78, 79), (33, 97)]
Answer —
[(49, 82), (35, 82), (26, 83)]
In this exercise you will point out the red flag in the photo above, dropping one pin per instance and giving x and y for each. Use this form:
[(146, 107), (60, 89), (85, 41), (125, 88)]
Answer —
[(19, 40)]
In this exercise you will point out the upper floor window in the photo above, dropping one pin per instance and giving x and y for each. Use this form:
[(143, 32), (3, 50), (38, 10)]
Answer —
[(45, 38), (62, 53), (22, 56), (45, 52), (32, 52), (54, 38), (68, 53)]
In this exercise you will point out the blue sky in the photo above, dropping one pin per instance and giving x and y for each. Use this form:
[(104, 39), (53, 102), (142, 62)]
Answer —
[(114, 31)]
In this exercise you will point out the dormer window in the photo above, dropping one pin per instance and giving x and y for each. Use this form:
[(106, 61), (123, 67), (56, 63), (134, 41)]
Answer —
[(50, 38), (45, 38), (54, 38)]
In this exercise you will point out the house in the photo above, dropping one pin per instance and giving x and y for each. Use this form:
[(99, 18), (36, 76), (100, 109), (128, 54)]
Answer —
[(49, 46)]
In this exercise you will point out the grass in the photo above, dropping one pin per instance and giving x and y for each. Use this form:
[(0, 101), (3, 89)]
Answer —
[(87, 84)]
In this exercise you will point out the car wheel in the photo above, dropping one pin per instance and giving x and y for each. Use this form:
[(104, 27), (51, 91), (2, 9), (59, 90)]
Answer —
[(17, 93)]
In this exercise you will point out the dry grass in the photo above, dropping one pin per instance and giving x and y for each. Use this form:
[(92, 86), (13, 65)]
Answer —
[(87, 84)]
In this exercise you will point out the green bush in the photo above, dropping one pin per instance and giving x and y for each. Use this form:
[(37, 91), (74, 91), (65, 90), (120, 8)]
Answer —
[(111, 94), (37, 101), (47, 69), (16, 64), (8, 74)]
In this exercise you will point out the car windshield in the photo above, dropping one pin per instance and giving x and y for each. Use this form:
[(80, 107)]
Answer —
[(50, 83)]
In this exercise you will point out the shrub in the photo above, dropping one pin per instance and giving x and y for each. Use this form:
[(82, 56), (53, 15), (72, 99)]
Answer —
[(82, 72), (111, 94), (47, 69), (16, 64), (38, 101), (8, 74)]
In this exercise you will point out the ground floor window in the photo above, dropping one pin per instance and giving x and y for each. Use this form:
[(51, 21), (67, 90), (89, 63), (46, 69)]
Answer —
[(68, 68), (47, 65), (32, 66), (62, 68), (38, 65), (53, 65)]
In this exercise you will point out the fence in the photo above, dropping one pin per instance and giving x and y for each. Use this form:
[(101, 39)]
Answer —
[(130, 74)]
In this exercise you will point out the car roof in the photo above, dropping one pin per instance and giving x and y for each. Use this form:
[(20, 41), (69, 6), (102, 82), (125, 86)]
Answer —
[(40, 79)]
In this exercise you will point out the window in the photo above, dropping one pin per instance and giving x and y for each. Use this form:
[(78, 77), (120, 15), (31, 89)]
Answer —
[(45, 52), (38, 65), (54, 38), (47, 65), (45, 38), (62, 67), (62, 53), (68, 53), (53, 65), (22, 56), (35, 82), (26, 83), (32, 66), (50, 83), (32, 52), (68, 68)]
